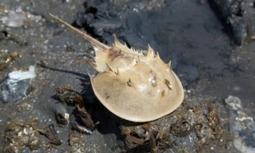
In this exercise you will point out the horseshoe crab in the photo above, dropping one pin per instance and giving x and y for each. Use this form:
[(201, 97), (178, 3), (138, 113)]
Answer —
[(130, 84)]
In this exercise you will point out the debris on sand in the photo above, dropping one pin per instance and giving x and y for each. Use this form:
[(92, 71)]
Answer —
[(186, 128), (17, 85), (83, 121), (21, 135), (61, 114), (242, 125), (69, 96), (14, 19), (50, 133), (6, 58), (239, 16), (145, 137), (18, 18)]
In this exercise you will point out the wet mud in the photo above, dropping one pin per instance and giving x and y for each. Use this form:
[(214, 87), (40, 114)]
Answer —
[(59, 113)]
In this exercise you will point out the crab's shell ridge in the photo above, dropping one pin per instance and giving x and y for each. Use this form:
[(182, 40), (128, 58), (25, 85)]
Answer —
[(134, 86)]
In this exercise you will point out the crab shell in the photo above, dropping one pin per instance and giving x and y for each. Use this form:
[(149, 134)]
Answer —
[(134, 86)]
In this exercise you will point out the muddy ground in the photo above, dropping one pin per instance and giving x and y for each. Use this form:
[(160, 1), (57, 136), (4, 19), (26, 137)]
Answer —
[(218, 76)]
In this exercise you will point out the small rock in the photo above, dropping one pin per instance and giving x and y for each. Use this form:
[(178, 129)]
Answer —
[(19, 18), (14, 19), (17, 85), (20, 136), (241, 125), (234, 102), (50, 133), (62, 116), (6, 57), (181, 128), (238, 17)]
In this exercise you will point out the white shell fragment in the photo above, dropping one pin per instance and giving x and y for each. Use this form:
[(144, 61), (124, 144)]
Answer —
[(133, 86), (22, 75), (16, 76), (17, 85)]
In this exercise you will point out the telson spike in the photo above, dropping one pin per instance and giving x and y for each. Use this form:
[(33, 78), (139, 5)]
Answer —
[(86, 36)]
